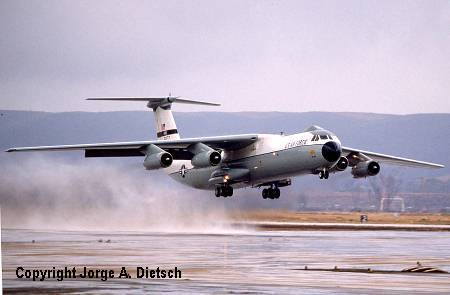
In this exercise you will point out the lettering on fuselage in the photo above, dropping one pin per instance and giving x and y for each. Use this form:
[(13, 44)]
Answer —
[(295, 143)]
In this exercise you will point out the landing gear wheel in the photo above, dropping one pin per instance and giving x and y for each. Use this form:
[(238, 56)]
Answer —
[(271, 193), (276, 193), (224, 191), (324, 174), (218, 191), (228, 191)]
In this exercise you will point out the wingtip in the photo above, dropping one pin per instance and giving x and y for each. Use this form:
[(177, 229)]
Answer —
[(436, 166), (10, 150)]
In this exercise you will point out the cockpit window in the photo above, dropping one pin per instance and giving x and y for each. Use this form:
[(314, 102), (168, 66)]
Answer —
[(318, 137)]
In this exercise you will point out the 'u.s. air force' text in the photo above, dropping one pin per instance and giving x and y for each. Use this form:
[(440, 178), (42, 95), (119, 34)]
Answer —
[(61, 274), (295, 143)]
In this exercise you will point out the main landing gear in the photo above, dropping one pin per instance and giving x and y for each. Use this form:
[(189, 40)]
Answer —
[(224, 191), (324, 174), (272, 192)]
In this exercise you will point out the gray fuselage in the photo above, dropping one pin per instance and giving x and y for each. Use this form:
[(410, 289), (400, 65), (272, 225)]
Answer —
[(270, 158)]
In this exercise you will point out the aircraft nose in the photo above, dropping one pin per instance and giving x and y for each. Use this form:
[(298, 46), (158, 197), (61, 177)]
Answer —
[(331, 151)]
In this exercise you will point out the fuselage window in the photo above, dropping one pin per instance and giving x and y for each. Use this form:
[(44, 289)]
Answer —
[(323, 137)]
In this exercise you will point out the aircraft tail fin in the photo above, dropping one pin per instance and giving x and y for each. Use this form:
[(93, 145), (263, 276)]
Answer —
[(166, 129)]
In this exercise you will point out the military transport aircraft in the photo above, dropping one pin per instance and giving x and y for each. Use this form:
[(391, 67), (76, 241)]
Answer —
[(222, 163)]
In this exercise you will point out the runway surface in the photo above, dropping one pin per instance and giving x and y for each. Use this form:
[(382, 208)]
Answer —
[(232, 261)]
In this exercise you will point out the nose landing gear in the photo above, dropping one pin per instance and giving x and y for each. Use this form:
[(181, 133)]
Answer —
[(324, 174), (224, 191)]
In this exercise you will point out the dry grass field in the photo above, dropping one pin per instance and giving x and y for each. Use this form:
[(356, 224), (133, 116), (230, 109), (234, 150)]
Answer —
[(342, 217)]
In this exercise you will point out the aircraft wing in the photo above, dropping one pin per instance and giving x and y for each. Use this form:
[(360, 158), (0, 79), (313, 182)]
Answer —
[(178, 148), (354, 155)]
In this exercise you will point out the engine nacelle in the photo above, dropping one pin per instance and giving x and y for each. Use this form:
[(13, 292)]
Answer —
[(204, 156), (157, 158), (364, 169), (206, 159), (342, 164)]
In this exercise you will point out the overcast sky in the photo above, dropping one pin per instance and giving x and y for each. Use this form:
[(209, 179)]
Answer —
[(371, 56)]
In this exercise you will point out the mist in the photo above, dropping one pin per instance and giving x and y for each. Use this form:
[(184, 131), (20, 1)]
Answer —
[(52, 193)]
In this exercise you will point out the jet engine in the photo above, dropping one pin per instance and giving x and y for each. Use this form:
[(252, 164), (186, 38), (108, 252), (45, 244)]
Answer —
[(364, 169), (204, 156), (205, 159), (342, 164), (157, 158)]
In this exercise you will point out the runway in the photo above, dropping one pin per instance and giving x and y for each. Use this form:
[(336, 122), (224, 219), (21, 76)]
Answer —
[(232, 260)]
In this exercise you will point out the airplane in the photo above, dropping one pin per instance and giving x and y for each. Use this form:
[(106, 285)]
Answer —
[(225, 163)]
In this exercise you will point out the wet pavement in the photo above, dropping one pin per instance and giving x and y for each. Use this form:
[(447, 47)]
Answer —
[(231, 261)]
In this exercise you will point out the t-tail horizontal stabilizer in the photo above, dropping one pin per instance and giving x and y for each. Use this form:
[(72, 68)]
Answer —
[(166, 129), (154, 102)]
